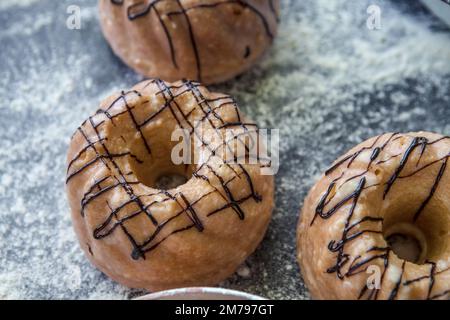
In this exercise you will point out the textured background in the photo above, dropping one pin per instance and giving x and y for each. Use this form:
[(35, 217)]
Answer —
[(328, 83)]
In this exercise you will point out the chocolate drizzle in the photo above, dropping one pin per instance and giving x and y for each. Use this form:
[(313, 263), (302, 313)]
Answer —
[(433, 190), (396, 288), (138, 205), (143, 8), (346, 265), (417, 141)]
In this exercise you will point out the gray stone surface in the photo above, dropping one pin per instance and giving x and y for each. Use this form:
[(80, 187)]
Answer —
[(328, 83)]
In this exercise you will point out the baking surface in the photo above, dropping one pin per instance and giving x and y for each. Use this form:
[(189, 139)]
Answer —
[(328, 83)]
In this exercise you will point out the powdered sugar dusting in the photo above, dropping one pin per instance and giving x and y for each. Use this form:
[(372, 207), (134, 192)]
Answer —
[(327, 83)]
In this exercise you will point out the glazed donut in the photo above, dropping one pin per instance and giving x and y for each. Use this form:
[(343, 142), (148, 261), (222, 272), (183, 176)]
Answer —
[(204, 40), (141, 235), (389, 188)]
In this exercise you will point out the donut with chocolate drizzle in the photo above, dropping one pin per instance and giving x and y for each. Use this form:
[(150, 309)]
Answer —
[(377, 223), (146, 236), (209, 41)]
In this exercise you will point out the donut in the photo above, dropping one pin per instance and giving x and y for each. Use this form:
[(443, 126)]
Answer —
[(376, 224), (146, 236), (209, 41)]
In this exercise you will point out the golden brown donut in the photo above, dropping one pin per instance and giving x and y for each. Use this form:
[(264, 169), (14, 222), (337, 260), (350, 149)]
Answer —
[(394, 186), (196, 234), (205, 40)]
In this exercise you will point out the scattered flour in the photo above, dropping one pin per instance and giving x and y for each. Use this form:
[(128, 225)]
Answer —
[(7, 4), (327, 83)]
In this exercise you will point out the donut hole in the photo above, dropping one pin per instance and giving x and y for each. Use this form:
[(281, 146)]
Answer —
[(416, 240), (170, 181), (408, 242), (158, 170), (162, 174)]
